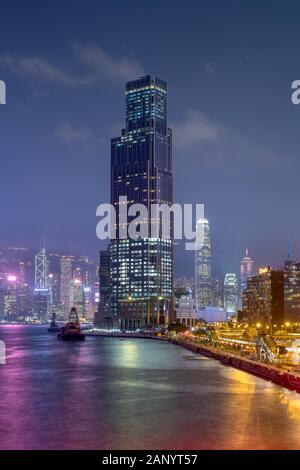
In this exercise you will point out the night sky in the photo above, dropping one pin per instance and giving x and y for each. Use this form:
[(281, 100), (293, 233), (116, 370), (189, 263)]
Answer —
[(229, 68)]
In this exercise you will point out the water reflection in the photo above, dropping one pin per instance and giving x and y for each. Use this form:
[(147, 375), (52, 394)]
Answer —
[(112, 394)]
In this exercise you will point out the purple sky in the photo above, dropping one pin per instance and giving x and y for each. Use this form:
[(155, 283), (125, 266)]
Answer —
[(229, 68)]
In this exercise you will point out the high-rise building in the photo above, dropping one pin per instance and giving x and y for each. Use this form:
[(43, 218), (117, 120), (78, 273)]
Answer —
[(104, 317), (217, 292), (246, 270), (263, 298), (78, 296), (66, 277), (141, 270), (230, 294), (15, 298), (291, 275), (203, 286), (41, 290), (53, 283)]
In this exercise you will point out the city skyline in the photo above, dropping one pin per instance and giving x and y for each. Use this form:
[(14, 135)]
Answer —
[(220, 141), (150, 238)]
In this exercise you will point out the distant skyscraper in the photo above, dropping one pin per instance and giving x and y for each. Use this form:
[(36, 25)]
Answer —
[(217, 292), (77, 294), (41, 267), (230, 293), (66, 264), (54, 283), (246, 270), (41, 290), (141, 169), (203, 281), (15, 298)]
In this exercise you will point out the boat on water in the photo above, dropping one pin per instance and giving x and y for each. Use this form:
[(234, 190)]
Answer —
[(71, 331), (54, 327)]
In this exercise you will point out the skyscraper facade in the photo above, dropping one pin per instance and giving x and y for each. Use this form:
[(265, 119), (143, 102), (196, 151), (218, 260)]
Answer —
[(246, 270), (103, 317), (291, 274), (141, 270), (41, 291), (66, 276), (230, 294), (263, 298), (203, 279)]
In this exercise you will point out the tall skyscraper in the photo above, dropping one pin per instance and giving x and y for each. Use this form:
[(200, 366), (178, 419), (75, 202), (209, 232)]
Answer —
[(203, 281), (230, 294), (246, 270), (54, 283), (41, 290), (66, 264), (141, 169)]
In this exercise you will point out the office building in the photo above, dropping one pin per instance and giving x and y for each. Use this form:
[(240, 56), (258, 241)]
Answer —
[(66, 278), (230, 294), (203, 278), (246, 270), (263, 298), (141, 270), (291, 275)]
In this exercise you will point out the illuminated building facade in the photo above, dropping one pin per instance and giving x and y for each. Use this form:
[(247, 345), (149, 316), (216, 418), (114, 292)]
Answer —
[(291, 274), (53, 283), (230, 294), (141, 271), (41, 290), (203, 279), (66, 277), (103, 317), (263, 298), (185, 307), (15, 298), (217, 292), (246, 270), (77, 296)]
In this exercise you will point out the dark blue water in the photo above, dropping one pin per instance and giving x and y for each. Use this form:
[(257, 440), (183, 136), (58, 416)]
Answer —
[(134, 394)]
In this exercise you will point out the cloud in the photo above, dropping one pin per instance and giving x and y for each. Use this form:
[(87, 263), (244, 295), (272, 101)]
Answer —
[(98, 63), (38, 68), (196, 128), (219, 148), (104, 64), (68, 133)]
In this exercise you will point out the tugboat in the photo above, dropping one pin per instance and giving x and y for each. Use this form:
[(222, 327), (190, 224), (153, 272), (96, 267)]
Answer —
[(54, 328), (71, 331)]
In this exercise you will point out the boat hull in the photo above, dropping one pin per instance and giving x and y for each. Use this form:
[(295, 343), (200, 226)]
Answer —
[(70, 337)]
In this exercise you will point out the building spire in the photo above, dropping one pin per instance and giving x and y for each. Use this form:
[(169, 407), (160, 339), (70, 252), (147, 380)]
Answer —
[(246, 251)]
